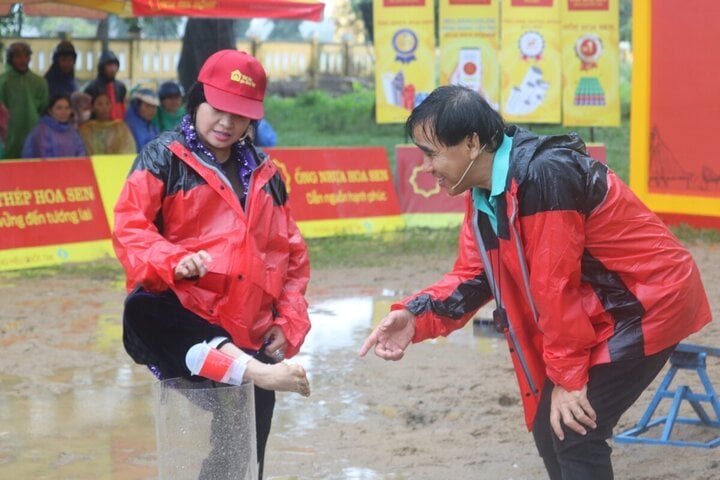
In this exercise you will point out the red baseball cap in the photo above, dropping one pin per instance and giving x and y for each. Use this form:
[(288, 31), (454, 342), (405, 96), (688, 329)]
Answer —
[(234, 82)]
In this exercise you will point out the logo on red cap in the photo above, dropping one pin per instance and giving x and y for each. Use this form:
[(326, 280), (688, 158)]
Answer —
[(238, 76)]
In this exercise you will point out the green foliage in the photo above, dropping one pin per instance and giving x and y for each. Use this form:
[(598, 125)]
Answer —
[(315, 118), (690, 234), (10, 24), (380, 250)]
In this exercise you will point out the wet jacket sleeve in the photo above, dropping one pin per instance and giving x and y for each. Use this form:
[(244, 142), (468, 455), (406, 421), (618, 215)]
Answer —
[(554, 241), (292, 307), (148, 258), (448, 304)]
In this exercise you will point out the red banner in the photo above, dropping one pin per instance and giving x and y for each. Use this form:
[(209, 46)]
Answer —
[(285, 9), (419, 192), (337, 183), (47, 202)]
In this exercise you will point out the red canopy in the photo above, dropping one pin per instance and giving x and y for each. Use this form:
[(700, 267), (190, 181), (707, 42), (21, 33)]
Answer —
[(279, 9)]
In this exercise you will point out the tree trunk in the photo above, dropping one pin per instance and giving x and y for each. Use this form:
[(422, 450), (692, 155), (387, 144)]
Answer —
[(203, 37)]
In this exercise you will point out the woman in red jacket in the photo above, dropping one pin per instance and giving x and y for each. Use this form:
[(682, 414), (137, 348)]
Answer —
[(592, 290), (216, 266)]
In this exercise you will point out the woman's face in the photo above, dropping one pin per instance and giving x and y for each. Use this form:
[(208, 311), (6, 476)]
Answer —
[(146, 111), (60, 111), (218, 130), (102, 107)]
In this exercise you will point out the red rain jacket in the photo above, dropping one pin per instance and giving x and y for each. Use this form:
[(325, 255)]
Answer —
[(174, 203), (586, 273)]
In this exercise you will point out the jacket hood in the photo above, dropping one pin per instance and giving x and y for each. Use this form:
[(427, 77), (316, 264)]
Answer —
[(530, 147), (105, 58)]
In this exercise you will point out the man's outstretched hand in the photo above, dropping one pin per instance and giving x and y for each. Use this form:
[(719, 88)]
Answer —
[(392, 336)]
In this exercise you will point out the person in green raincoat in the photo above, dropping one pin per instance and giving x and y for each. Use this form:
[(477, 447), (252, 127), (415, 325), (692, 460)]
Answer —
[(24, 94)]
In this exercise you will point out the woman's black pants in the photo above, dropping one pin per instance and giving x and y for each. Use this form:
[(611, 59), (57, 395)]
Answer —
[(158, 331)]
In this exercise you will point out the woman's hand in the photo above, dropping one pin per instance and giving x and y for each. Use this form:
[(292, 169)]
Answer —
[(194, 265), (277, 343)]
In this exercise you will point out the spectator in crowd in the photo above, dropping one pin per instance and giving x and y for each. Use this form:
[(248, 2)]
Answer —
[(139, 117), (104, 136), (105, 81), (24, 94), (4, 118), (55, 135), (265, 135), (61, 74), (171, 109), (81, 106)]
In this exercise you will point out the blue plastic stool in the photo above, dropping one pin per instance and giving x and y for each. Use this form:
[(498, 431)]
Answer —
[(690, 357)]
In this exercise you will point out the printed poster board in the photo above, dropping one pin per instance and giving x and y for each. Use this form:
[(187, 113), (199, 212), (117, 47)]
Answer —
[(674, 168)]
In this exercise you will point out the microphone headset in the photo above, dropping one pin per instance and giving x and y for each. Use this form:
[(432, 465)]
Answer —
[(467, 169)]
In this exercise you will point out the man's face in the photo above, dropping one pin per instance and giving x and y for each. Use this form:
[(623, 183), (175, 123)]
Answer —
[(171, 104), (447, 164), (66, 63), (110, 70), (20, 61)]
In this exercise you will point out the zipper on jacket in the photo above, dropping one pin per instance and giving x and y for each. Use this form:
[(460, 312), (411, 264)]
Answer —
[(521, 256), (496, 292)]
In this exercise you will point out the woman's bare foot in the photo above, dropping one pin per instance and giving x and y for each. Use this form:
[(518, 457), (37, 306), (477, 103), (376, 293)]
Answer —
[(281, 377)]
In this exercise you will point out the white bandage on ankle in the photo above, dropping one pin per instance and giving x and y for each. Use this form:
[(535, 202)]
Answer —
[(206, 361)]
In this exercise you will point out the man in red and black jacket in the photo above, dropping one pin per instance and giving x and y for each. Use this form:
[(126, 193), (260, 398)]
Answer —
[(592, 290)]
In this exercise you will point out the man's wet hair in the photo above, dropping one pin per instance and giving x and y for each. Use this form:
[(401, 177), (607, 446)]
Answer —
[(451, 113)]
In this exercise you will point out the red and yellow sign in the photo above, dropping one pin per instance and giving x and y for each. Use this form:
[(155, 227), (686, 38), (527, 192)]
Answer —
[(50, 212), (673, 167), (590, 39), (469, 44), (423, 202), (531, 82), (54, 211), (404, 34), (339, 190)]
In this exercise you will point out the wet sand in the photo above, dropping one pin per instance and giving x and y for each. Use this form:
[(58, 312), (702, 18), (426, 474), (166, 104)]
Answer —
[(73, 406)]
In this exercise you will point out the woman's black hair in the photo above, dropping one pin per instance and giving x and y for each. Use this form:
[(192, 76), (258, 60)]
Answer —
[(55, 98), (451, 113), (195, 97)]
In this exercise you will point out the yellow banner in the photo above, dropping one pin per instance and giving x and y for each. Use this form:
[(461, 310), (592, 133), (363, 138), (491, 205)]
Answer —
[(404, 32), (469, 33), (110, 173), (590, 39), (531, 82)]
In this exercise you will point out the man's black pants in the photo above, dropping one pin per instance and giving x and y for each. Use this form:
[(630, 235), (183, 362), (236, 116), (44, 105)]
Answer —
[(612, 389)]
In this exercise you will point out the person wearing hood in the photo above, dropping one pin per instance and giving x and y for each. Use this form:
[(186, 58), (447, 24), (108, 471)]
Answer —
[(139, 117), (55, 136), (105, 82), (24, 94), (61, 74), (171, 110)]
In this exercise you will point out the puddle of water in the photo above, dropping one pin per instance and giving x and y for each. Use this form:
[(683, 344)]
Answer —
[(85, 423)]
